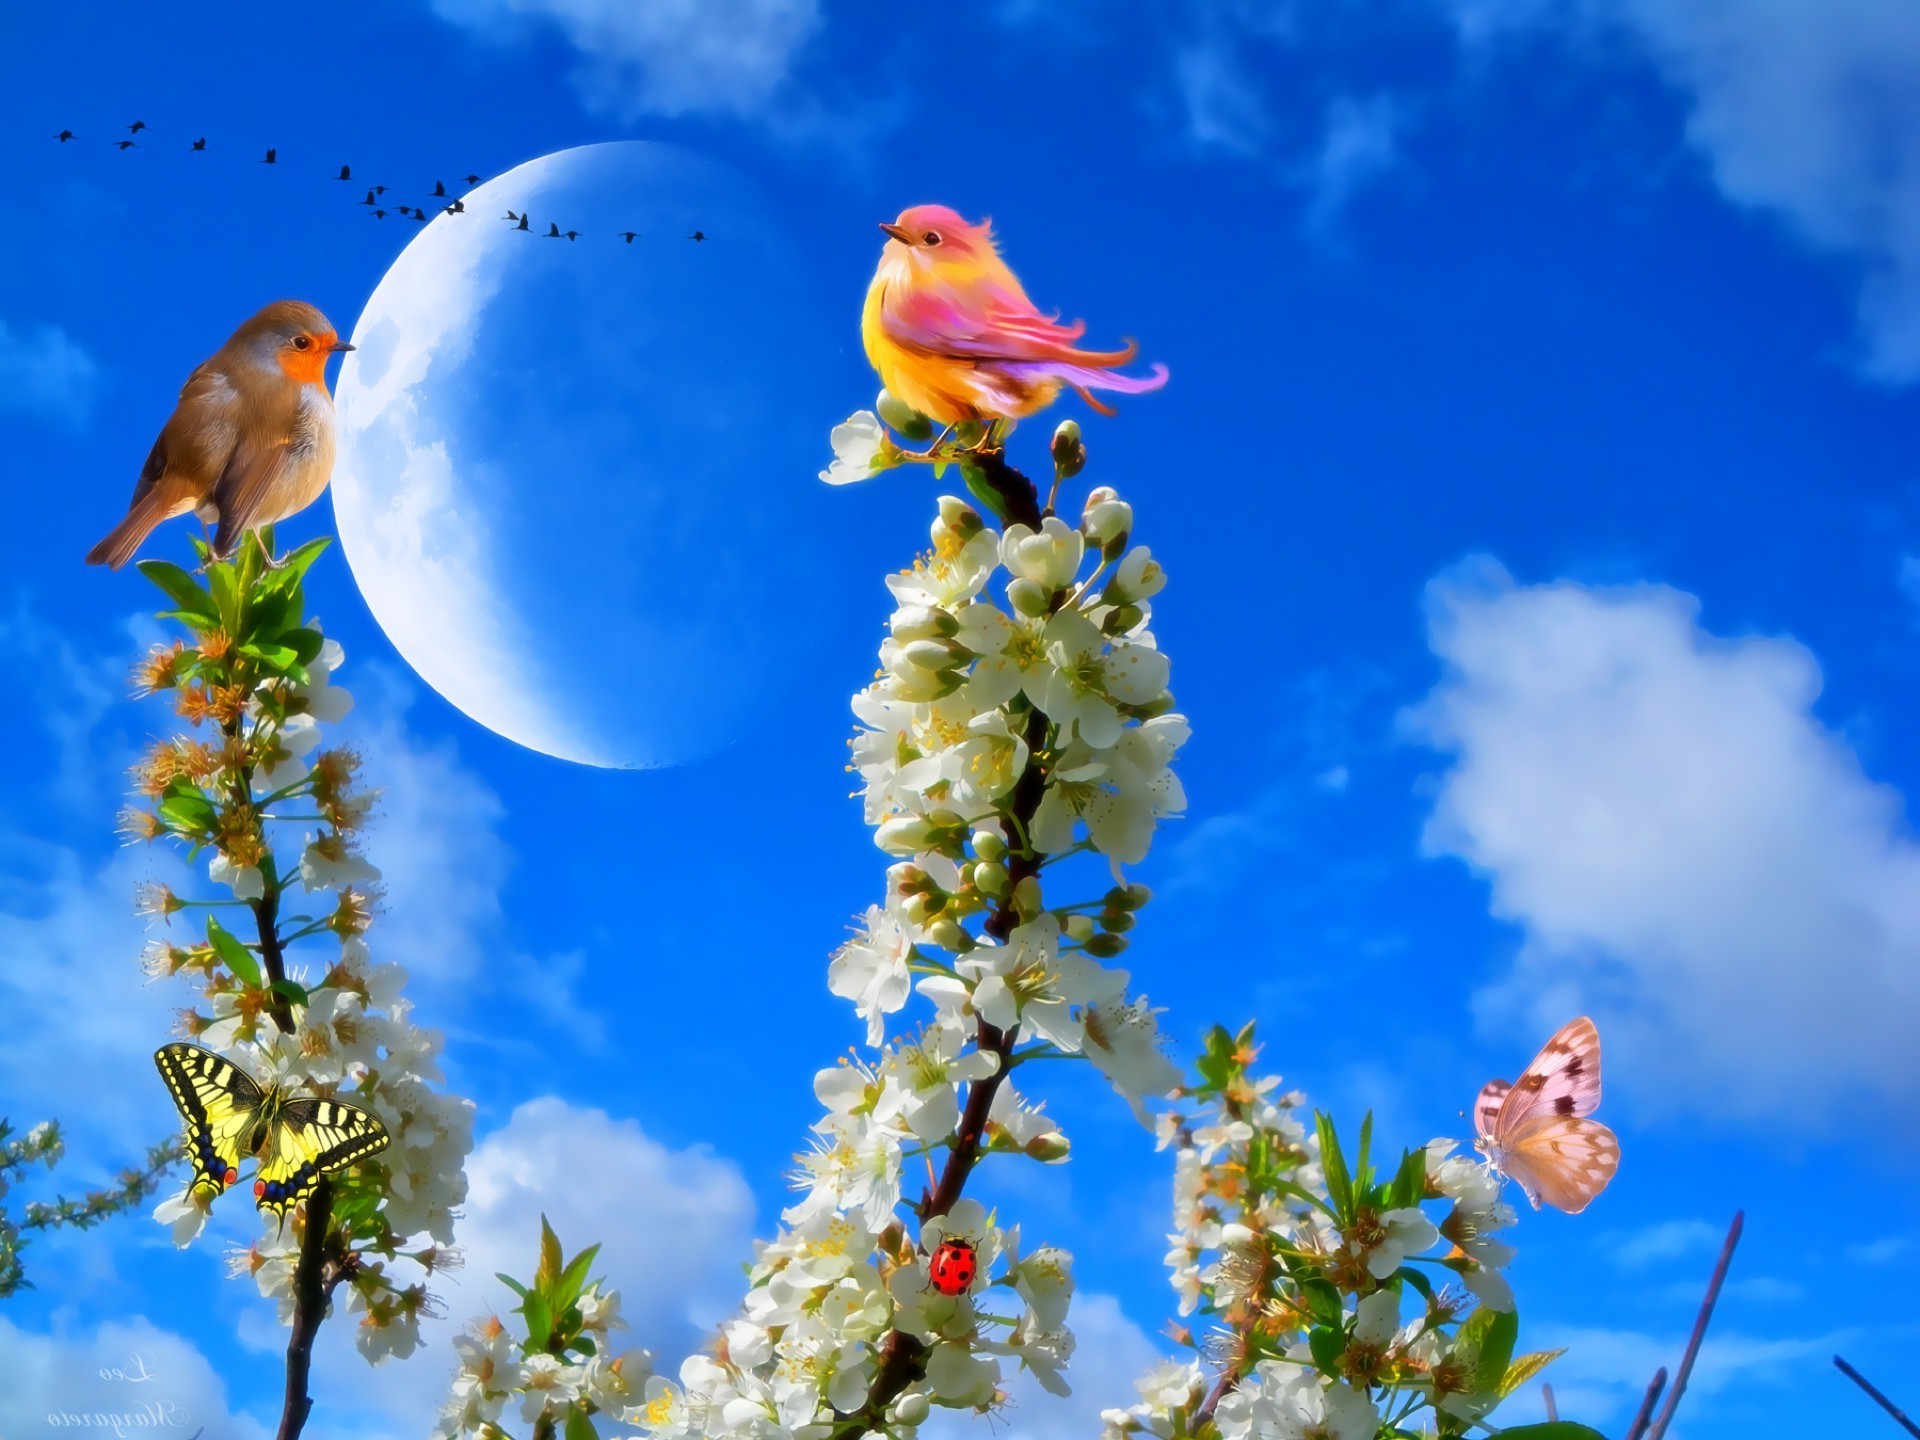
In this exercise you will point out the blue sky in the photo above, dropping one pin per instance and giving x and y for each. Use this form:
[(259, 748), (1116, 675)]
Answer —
[(1536, 487)]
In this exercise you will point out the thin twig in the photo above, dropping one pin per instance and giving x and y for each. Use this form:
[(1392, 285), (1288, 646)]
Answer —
[(1899, 1415), (1638, 1429), (1546, 1394), (1699, 1327)]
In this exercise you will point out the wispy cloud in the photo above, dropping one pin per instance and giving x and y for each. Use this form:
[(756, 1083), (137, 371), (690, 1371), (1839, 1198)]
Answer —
[(1880, 1252), (45, 372), (1664, 1241), (1359, 143), (1686, 848), (661, 57), (1808, 113), (84, 1378), (1220, 104)]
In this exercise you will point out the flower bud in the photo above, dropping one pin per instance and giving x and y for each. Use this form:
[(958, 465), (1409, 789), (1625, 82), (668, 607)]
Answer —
[(988, 845), (922, 622), (1078, 928), (1138, 578), (912, 1408), (919, 910), (1049, 556), (1026, 898), (904, 835), (1105, 947), (906, 878), (1115, 922), (949, 934), (1106, 517), (934, 655), (990, 878), (1069, 451), (1127, 897), (909, 422), (1122, 619), (1050, 1148), (958, 520), (1028, 599)]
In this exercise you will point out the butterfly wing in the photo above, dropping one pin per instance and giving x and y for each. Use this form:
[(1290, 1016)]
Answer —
[(1561, 1159), (312, 1137), (218, 1100), (1563, 1080), (1486, 1110)]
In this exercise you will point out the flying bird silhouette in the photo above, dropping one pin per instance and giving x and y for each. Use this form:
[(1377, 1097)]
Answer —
[(64, 136), (523, 223), (369, 200), (629, 235), (126, 145), (346, 173), (473, 180), (380, 189), (458, 207), (420, 215), (439, 190), (698, 235), (379, 214), (136, 127), (510, 216), (199, 144), (272, 157)]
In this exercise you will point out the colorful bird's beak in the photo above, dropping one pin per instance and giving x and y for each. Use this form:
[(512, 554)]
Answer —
[(898, 232), (339, 346)]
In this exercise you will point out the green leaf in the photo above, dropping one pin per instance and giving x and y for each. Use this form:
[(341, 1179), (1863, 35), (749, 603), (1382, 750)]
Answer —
[(1327, 1345), (584, 1344), (276, 657), (539, 1319), (291, 990), (304, 642), (1334, 1166), (226, 596), (551, 1263), (580, 1425), (574, 1278), (511, 1283), (1418, 1281), (235, 956), (1410, 1183), (1363, 1165), (191, 601), (185, 808), (1492, 1333), (1552, 1430), (1525, 1368), (1323, 1302), (286, 580)]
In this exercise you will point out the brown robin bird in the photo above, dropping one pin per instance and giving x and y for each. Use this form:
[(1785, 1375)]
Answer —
[(251, 440)]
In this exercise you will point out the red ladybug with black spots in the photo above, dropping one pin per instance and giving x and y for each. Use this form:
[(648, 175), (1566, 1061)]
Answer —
[(953, 1265)]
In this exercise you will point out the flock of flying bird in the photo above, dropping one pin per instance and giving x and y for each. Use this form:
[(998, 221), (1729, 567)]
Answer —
[(376, 205)]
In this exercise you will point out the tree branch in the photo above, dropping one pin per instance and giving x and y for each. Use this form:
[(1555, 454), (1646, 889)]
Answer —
[(309, 1309)]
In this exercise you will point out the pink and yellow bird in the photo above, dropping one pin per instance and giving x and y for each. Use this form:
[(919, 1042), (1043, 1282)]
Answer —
[(955, 337)]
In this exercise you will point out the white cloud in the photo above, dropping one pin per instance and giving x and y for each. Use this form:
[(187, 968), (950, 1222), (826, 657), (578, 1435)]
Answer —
[(1664, 1241), (1690, 854), (673, 1226), (1604, 1372), (1359, 142), (43, 371), (1807, 112), (125, 1378), (1222, 108), (662, 57), (1880, 1252)]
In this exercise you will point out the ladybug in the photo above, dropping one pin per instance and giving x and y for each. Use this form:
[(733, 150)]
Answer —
[(952, 1267)]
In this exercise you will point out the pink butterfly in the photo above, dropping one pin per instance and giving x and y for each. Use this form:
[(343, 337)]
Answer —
[(1534, 1129)]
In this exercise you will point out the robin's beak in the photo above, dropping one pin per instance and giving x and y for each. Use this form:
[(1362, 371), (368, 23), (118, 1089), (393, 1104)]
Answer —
[(339, 347), (898, 232)]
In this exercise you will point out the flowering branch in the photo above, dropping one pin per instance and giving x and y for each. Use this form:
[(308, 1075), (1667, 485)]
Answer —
[(260, 673)]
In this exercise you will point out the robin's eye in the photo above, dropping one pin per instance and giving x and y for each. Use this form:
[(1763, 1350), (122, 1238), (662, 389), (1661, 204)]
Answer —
[(932, 237), (301, 342)]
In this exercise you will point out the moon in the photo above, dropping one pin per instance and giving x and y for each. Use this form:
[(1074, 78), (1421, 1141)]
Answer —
[(573, 474)]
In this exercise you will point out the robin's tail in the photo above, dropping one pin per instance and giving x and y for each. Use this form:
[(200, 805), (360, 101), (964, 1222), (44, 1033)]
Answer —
[(148, 511)]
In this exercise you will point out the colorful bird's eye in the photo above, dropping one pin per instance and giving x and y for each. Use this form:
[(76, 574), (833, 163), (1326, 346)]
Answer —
[(932, 237), (301, 342)]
